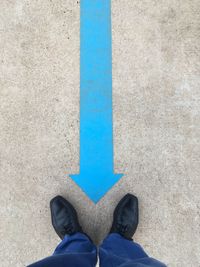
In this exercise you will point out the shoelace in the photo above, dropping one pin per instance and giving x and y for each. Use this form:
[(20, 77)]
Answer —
[(68, 228), (122, 228)]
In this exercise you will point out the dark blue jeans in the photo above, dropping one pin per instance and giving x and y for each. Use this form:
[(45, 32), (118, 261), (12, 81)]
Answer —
[(78, 251)]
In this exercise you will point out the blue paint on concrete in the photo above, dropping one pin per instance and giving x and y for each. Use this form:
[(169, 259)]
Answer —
[(96, 175)]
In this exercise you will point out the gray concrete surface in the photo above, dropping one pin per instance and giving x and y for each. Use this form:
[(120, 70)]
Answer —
[(156, 101)]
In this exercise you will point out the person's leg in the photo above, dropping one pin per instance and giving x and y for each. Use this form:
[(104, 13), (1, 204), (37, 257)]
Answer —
[(76, 243), (118, 249), (76, 248)]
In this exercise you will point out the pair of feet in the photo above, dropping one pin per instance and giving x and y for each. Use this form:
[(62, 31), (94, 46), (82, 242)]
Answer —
[(65, 220)]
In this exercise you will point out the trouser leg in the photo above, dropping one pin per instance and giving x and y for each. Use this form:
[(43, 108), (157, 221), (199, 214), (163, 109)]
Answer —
[(74, 251), (117, 251)]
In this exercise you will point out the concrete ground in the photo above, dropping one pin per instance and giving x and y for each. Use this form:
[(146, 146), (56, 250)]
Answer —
[(156, 101)]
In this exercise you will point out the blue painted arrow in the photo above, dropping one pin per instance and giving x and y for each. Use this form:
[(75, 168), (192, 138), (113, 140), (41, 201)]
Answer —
[(96, 131)]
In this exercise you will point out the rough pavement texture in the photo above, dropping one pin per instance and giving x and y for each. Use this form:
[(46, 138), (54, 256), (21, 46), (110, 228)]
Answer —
[(156, 101)]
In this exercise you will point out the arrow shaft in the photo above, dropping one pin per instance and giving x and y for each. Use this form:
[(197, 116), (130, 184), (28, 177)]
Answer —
[(96, 132)]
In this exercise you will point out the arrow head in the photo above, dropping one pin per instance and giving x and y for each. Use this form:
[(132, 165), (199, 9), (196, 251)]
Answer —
[(95, 185)]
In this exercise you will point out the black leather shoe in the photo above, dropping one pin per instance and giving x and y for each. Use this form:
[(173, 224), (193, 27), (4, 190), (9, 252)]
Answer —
[(64, 217), (126, 217)]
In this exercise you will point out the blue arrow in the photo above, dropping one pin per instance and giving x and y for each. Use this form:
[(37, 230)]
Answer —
[(96, 131)]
